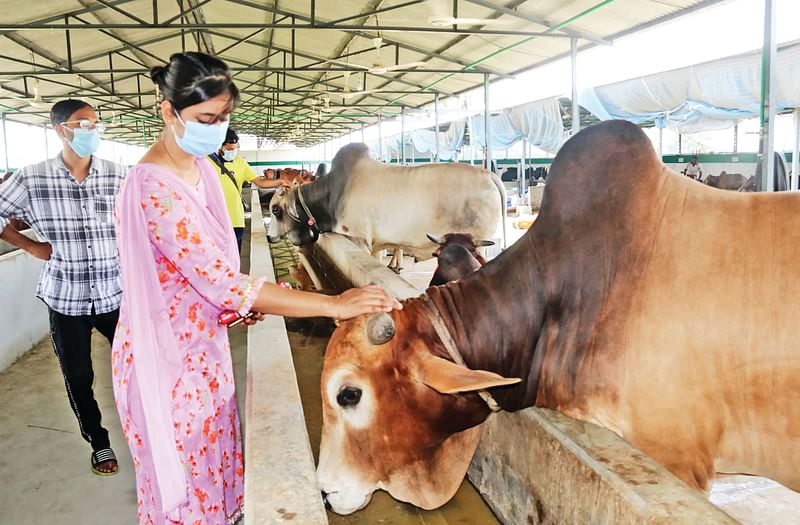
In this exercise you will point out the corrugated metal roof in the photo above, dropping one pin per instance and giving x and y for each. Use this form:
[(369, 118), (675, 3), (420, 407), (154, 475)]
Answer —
[(284, 55)]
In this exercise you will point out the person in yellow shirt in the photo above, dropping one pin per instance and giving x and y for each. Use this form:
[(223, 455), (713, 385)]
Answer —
[(234, 171)]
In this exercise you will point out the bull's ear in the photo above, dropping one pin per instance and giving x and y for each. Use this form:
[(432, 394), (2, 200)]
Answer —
[(447, 377)]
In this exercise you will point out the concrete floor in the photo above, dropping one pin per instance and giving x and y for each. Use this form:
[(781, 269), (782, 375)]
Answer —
[(44, 463)]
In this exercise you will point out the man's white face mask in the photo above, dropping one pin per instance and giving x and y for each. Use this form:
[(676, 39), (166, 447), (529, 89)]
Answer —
[(230, 154)]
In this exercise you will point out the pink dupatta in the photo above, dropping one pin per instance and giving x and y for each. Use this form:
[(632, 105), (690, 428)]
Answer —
[(157, 363)]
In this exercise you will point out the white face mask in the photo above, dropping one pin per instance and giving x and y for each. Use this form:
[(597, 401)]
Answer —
[(230, 154), (200, 139)]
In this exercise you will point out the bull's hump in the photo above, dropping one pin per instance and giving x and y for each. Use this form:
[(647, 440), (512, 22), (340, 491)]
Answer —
[(348, 156), (619, 146)]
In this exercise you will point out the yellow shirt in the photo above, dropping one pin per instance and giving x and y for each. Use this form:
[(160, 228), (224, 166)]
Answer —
[(233, 194)]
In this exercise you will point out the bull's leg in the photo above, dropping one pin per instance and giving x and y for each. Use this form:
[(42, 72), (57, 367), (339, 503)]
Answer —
[(396, 264)]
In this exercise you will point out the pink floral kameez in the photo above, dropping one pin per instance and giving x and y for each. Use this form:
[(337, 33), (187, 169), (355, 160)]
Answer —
[(197, 281)]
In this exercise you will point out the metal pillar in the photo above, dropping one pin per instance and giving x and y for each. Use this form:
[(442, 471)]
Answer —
[(471, 147), (362, 132), (766, 144), (46, 148), (436, 125), (796, 150), (380, 137), (680, 143), (661, 144), (486, 138), (736, 138), (576, 112), (403, 135), (5, 142), (523, 187)]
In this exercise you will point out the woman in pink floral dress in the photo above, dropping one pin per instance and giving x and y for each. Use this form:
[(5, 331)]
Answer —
[(172, 370)]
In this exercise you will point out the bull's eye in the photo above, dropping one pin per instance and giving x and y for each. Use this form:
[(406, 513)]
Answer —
[(348, 396), (276, 212)]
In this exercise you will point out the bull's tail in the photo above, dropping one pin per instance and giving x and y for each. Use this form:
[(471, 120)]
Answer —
[(503, 209)]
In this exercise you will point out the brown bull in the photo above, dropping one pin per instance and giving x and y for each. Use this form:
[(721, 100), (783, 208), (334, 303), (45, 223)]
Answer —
[(458, 255), (290, 175), (614, 308)]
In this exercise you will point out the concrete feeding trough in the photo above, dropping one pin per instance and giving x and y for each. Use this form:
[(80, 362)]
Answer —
[(280, 481)]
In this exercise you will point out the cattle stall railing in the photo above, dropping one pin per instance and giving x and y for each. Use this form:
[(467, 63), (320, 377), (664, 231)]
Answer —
[(280, 480), (565, 471)]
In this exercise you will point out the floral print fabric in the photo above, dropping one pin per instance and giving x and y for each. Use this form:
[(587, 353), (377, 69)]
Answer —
[(197, 283)]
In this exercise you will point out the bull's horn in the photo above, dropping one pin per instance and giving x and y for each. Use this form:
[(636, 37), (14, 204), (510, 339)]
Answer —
[(380, 328), (433, 238), (484, 242)]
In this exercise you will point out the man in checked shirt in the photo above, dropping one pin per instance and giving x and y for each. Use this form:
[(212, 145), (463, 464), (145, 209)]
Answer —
[(68, 201)]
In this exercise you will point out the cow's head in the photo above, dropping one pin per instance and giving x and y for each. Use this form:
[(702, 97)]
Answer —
[(396, 416), (467, 240), (454, 263), (287, 219)]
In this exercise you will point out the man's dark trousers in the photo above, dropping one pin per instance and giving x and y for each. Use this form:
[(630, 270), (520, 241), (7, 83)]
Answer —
[(72, 341)]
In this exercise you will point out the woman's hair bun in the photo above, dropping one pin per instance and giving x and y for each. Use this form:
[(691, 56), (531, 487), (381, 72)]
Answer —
[(191, 78), (157, 75)]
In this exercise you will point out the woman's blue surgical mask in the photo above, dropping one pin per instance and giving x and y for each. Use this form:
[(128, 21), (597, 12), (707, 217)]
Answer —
[(200, 139), (84, 141), (230, 154)]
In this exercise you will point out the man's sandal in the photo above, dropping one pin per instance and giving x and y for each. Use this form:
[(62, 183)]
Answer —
[(102, 456)]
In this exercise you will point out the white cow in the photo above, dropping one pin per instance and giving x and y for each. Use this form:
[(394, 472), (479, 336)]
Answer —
[(389, 207)]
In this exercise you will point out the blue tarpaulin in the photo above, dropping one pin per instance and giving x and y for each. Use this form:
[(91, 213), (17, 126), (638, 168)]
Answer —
[(704, 97)]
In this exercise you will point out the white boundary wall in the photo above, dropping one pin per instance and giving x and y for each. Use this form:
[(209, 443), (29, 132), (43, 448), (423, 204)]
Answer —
[(23, 317)]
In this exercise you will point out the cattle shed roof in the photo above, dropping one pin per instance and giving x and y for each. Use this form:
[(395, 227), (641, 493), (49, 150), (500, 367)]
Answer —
[(308, 70)]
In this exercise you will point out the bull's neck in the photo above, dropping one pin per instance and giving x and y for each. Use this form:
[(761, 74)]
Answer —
[(320, 197), (495, 317)]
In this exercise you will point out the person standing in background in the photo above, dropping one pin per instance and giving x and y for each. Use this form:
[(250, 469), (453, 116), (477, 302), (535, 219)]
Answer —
[(693, 169), (68, 201), (234, 171)]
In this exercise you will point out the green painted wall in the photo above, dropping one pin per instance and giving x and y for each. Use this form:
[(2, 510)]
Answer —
[(707, 158)]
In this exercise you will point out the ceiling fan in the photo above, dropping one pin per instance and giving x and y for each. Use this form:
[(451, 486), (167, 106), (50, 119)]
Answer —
[(378, 67), (444, 21), (35, 102), (346, 93)]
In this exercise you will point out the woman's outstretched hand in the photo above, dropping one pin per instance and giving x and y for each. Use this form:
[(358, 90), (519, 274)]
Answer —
[(365, 300)]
